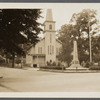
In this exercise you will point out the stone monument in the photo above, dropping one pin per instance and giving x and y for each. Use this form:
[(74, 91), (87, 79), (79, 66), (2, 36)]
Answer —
[(75, 62), (75, 65)]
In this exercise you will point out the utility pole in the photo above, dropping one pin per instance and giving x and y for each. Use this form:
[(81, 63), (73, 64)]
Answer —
[(22, 59), (90, 45)]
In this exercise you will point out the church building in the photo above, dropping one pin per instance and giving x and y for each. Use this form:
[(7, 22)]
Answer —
[(47, 49)]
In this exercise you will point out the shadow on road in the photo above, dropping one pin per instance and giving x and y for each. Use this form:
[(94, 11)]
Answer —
[(13, 90)]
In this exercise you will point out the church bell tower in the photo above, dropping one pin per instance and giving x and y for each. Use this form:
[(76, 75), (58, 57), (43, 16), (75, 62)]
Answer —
[(50, 37)]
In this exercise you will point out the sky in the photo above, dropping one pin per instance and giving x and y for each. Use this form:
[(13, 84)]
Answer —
[(62, 12)]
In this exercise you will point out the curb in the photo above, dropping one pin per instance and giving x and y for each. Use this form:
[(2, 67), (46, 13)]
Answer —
[(90, 71)]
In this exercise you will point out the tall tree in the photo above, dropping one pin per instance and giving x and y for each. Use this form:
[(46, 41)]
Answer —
[(81, 26), (66, 36), (86, 25), (18, 26)]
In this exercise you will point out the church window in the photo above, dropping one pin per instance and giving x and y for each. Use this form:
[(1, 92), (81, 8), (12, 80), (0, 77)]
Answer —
[(48, 50), (50, 38), (39, 50), (50, 27), (44, 27), (52, 49)]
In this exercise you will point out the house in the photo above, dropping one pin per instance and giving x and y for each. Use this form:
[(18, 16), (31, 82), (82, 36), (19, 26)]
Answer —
[(47, 49)]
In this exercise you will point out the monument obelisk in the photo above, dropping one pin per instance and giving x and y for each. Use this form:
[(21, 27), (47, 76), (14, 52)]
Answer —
[(75, 61)]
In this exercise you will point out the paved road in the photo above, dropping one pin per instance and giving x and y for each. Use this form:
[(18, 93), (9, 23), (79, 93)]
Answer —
[(30, 80)]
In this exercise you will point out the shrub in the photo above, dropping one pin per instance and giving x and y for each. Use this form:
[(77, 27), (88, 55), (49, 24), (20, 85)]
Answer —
[(94, 67), (48, 63), (51, 63), (87, 65), (18, 61), (99, 63), (54, 63), (52, 67), (2, 61), (59, 64)]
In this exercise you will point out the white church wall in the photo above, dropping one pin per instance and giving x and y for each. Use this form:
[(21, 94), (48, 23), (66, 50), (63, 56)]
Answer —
[(34, 60), (51, 56), (48, 45), (29, 59), (57, 61), (40, 44), (31, 50), (41, 61), (58, 47)]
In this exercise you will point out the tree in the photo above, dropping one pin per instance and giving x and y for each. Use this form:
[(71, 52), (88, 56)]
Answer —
[(68, 33), (84, 21), (66, 38), (18, 26), (96, 48), (80, 27), (86, 25)]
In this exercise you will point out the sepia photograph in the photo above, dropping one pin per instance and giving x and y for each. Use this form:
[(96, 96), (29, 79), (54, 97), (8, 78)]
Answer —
[(49, 47)]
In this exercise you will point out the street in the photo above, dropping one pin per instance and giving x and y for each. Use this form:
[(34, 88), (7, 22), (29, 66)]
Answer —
[(31, 80)]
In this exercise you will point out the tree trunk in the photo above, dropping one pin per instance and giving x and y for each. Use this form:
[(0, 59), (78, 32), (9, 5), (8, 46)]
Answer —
[(13, 60), (6, 59), (68, 64)]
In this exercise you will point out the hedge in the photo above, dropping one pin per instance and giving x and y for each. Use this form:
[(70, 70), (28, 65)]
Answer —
[(53, 67), (94, 67)]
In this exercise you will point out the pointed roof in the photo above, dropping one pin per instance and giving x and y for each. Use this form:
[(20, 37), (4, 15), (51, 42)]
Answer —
[(49, 15)]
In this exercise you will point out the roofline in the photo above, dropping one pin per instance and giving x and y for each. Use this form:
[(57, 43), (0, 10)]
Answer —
[(30, 47), (49, 21), (49, 31), (34, 44), (59, 41), (36, 54)]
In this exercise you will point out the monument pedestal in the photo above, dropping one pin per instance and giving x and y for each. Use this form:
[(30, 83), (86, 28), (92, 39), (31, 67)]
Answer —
[(75, 65), (75, 62)]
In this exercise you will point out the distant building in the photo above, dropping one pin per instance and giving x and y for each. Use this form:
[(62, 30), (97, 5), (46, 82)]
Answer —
[(47, 49)]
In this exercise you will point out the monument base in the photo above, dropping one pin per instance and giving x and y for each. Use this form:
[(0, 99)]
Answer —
[(76, 67)]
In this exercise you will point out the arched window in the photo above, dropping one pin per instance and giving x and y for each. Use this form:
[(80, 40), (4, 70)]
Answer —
[(50, 27)]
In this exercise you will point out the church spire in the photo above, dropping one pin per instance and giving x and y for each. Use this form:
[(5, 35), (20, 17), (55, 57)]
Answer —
[(49, 15)]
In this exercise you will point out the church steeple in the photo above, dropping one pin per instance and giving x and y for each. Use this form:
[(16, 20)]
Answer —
[(50, 36), (49, 15), (49, 24)]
